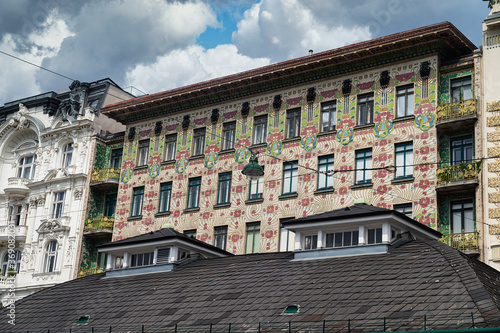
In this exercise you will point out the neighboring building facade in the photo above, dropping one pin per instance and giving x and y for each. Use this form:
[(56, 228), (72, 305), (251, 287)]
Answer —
[(46, 147), (381, 120)]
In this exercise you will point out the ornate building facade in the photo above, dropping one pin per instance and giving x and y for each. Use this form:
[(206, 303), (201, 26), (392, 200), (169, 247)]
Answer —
[(46, 145), (391, 121)]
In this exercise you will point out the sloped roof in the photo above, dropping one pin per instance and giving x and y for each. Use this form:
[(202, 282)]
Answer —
[(416, 279)]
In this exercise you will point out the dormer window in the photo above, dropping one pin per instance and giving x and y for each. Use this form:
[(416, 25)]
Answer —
[(342, 239), (26, 167), (67, 155), (142, 259), (311, 242), (375, 236)]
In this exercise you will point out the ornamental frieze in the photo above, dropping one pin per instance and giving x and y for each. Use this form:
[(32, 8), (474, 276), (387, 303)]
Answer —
[(493, 106), (494, 182), (495, 230), (494, 213), (494, 197), (493, 121), (494, 152), (494, 167), (493, 136)]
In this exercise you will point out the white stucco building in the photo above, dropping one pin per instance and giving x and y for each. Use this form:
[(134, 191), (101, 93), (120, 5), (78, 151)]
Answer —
[(45, 161)]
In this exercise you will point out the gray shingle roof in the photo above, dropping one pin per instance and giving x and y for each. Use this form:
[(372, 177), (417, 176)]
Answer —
[(415, 279)]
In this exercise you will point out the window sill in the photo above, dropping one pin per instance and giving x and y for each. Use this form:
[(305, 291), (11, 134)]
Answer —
[(324, 191), (254, 201), (160, 214), (136, 217), (195, 157), (288, 196), (334, 132), (258, 145), (141, 167), (364, 126), (364, 185), (227, 151), (410, 117), (191, 210), (403, 180), (47, 273), (222, 205), (295, 138), (167, 162)]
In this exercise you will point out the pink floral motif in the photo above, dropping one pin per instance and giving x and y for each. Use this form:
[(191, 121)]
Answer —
[(172, 127), (366, 85), (424, 184), (305, 202), (144, 133), (235, 238), (328, 93), (269, 234), (230, 115), (424, 202), (424, 150), (261, 108), (200, 121), (237, 213), (343, 191), (384, 115), (270, 209), (204, 237), (307, 178), (404, 77), (293, 101)]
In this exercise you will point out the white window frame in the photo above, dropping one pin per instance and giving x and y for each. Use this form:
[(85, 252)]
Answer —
[(26, 167), (58, 204), (67, 155), (50, 256)]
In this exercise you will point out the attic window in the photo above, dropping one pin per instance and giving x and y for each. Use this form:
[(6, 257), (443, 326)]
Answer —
[(291, 309), (83, 320)]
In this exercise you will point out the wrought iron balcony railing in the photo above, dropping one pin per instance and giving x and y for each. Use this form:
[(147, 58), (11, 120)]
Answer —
[(456, 109), (462, 241), (458, 172), (90, 271), (103, 175), (100, 222)]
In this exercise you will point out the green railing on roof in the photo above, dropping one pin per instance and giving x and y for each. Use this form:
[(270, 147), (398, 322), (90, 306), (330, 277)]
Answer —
[(100, 222), (103, 175), (458, 172), (456, 109), (462, 241)]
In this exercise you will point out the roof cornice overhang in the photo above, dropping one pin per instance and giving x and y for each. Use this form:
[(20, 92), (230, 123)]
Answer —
[(443, 39)]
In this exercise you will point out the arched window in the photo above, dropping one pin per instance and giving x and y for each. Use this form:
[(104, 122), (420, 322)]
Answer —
[(26, 168), (67, 155), (14, 263), (50, 261)]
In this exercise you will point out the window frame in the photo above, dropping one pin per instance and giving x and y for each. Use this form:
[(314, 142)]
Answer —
[(190, 233), (116, 156), (403, 209), (170, 147), (194, 188), (110, 204), (326, 108), (409, 103), (17, 256), (292, 128), (58, 204), (22, 167), (220, 237), (137, 201), (464, 149), (143, 153), (291, 168), (136, 257), (407, 154), (165, 197), (199, 141), (310, 242), (256, 188), (224, 188), (228, 135), (328, 162), (374, 236), (252, 237), (463, 218), (67, 155), (260, 122), (462, 91), (366, 100), (50, 256), (332, 243), (367, 174)]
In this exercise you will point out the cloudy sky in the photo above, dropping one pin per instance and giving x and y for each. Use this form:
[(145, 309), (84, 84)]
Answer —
[(156, 45)]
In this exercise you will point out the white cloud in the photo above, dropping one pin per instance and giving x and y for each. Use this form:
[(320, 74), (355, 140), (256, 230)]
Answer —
[(291, 30), (191, 65)]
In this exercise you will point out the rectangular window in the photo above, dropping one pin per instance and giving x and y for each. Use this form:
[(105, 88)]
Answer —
[(224, 190), (193, 197), (461, 150), (341, 239), (26, 167), (191, 233), (256, 188), (199, 141), (116, 158), (58, 205), (259, 130), (67, 155), (165, 197), (290, 177), (325, 172), (404, 209), (363, 167), (170, 147), (404, 160), (142, 259), (220, 237), (143, 152), (328, 116), (405, 101), (365, 109), (15, 214), (252, 239), (375, 236), (110, 205), (461, 89), (311, 242), (228, 135), (293, 123), (462, 216), (137, 198)]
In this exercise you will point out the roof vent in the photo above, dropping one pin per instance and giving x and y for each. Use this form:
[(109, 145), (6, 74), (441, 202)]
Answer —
[(83, 320), (291, 309)]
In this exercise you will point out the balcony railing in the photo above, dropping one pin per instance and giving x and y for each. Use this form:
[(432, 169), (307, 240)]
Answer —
[(456, 109), (463, 241), (458, 172), (100, 222), (90, 271), (103, 175), (19, 231)]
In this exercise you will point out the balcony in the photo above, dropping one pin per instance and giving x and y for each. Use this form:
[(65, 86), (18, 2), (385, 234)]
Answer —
[(19, 232), (105, 178), (461, 177), (99, 227), (464, 112), (16, 187), (90, 271), (466, 242)]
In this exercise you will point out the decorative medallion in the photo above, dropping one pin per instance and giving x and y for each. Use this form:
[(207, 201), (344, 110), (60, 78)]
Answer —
[(181, 164), (345, 136), (154, 166), (274, 147), (210, 159), (425, 117), (309, 141), (127, 174), (241, 154), (383, 128)]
